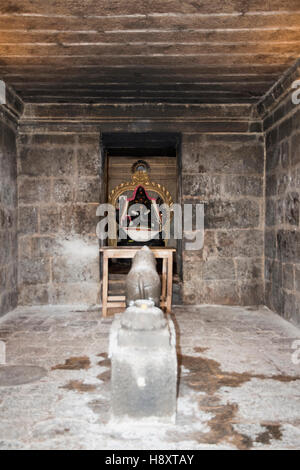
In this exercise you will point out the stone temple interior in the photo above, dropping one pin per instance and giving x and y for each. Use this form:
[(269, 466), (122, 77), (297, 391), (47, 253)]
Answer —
[(207, 95)]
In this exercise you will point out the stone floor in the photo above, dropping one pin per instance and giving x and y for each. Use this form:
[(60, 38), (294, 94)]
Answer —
[(239, 382)]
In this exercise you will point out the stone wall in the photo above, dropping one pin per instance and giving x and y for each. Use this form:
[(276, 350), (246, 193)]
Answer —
[(59, 187), (282, 240), (226, 172), (222, 158), (58, 195), (8, 213)]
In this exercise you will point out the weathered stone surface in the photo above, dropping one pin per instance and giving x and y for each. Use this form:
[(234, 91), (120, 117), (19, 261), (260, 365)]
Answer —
[(225, 169), (81, 219), (283, 183), (75, 269), (210, 248), (232, 214), (33, 294), (249, 268), (47, 140), (24, 245), (295, 149), (223, 292), (8, 300), (292, 208), (202, 185), (285, 129), (271, 140), (252, 293), (273, 158), (200, 157), (5, 247), (270, 244), (62, 190), (28, 219), (288, 276), (282, 211), (62, 187), (295, 178), (238, 186), (88, 160), (18, 375), (192, 269), (88, 189), (210, 368), (34, 190), (35, 271), (297, 278), (289, 306), (69, 219), (296, 120), (268, 269), (239, 243), (44, 246), (8, 214), (271, 185), (220, 268), (271, 212), (285, 154), (229, 169), (41, 161), (288, 243), (50, 219), (86, 293), (2, 279)]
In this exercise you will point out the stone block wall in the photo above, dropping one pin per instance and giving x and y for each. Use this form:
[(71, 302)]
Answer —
[(282, 237), (8, 214), (226, 171), (58, 188)]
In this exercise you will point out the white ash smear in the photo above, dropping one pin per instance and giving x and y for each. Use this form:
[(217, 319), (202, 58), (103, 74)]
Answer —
[(189, 415), (184, 370), (79, 248)]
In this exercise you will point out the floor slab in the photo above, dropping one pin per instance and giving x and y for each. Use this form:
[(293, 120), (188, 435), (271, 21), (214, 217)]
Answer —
[(239, 382)]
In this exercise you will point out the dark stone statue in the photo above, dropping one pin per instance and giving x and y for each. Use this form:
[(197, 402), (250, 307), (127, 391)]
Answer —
[(143, 281)]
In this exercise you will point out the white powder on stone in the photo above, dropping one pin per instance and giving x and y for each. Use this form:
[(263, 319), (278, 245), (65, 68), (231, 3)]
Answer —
[(78, 248)]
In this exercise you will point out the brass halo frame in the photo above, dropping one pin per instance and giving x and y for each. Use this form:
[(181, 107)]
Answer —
[(138, 178)]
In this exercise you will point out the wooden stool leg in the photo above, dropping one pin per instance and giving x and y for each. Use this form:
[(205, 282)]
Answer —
[(164, 281), (169, 286), (104, 285)]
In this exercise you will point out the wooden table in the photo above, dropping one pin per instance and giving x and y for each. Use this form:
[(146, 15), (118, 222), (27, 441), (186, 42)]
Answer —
[(117, 301)]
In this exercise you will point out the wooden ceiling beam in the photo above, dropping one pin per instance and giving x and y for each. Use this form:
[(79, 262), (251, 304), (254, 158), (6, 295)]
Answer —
[(141, 8), (148, 24), (158, 61), (274, 36), (121, 50), (190, 50)]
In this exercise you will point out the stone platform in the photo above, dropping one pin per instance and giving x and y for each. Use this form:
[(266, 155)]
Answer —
[(238, 385)]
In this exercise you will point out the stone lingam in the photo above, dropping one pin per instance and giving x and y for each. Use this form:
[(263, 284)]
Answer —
[(144, 365)]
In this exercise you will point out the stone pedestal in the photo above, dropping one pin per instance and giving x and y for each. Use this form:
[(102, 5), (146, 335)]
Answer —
[(144, 365)]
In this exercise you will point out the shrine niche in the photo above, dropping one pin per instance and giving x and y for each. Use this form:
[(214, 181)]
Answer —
[(143, 210)]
